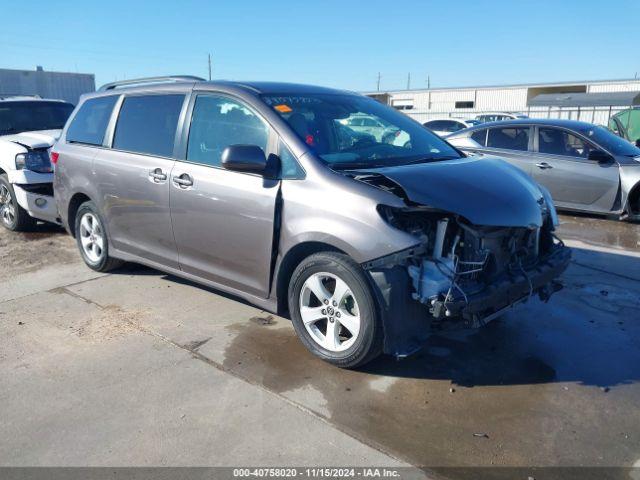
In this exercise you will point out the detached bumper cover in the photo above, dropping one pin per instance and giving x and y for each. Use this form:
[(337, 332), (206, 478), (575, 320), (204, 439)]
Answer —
[(479, 308)]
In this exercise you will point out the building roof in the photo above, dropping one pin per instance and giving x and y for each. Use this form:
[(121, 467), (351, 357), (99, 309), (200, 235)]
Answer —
[(599, 99), (513, 85)]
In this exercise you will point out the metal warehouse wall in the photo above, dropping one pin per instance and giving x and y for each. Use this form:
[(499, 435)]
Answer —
[(58, 85), (437, 103)]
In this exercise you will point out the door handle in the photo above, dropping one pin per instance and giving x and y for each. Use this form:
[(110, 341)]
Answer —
[(543, 165), (157, 175), (183, 181)]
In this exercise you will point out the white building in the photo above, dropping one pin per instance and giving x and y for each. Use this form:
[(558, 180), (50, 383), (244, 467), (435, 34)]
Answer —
[(58, 85), (467, 102)]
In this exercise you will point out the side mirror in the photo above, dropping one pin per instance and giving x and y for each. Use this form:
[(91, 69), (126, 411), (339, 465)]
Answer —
[(600, 156), (638, 143), (244, 158)]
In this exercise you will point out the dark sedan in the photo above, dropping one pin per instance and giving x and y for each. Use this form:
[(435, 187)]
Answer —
[(584, 166)]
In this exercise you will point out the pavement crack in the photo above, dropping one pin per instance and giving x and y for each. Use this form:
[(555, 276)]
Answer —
[(196, 344), (602, 270), (65, 290), (191, 348)]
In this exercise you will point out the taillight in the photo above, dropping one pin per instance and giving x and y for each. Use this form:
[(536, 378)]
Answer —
[(54, 157)]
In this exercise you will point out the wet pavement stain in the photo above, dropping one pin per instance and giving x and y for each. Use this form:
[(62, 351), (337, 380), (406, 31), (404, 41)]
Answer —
[(599, 231), (403, 407), (500, 381)]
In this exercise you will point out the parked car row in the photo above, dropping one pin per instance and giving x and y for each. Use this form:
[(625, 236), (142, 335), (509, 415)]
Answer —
[(584, 166), (447, 125), (367, 236)]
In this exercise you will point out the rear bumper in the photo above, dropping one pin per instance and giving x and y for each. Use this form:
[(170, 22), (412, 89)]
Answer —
[(478, 309)]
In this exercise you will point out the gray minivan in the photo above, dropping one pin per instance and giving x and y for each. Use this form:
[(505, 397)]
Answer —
[(262, 191)]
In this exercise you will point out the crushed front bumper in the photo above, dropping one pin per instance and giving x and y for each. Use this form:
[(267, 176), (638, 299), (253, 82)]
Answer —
[(38, 201), (408, 323), (480, 308)]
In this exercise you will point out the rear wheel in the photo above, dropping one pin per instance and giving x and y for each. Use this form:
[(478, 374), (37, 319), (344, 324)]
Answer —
[(92, 240), (12, 216), (333, 309)]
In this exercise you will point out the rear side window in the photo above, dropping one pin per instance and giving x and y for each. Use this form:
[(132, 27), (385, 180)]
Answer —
[(89, 124), (218, 122), (509, 138), (480, 137), (147, 124)]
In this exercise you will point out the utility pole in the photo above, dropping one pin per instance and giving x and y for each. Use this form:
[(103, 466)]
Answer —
[(409, 81), (209, 67), (378, 88), (428, 82)]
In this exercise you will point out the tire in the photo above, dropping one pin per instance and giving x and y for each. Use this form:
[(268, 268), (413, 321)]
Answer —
[(92, 239), (12, 216), (354, 318)]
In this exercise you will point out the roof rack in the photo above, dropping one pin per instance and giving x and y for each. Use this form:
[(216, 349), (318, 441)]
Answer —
[(150, 81)]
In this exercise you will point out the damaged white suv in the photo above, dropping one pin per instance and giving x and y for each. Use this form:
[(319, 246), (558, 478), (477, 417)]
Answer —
[(29, 126)]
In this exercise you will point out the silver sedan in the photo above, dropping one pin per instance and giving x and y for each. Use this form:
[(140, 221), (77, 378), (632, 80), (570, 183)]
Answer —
[(584, 166)]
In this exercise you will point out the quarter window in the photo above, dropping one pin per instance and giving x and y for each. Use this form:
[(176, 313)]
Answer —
[(289, 166), (218, 122), (90, 123), (509, 138), (560, 142), (147, 124), (480, 137)]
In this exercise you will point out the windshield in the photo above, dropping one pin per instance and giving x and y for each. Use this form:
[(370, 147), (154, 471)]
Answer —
[(611, 142), (17, 117), (351, 131)]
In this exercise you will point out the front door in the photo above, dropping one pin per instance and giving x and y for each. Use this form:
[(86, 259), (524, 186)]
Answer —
[(563, 167), (133, 177), (223, 221)]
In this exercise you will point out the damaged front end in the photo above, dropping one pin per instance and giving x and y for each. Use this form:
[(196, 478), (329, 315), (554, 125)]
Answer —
[(462, 275)]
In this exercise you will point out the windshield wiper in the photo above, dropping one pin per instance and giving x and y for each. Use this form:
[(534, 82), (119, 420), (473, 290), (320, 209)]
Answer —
[(355, 165), (430, 159)]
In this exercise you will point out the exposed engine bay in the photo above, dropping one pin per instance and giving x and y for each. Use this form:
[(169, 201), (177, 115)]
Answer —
[(462, 274), (459, 261)]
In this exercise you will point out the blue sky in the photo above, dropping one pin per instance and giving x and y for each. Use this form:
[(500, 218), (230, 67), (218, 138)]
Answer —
[(333, 43)]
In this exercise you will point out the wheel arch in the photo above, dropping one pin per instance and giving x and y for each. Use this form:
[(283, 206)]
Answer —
[(290, 261), (633, 200), (76, 200)]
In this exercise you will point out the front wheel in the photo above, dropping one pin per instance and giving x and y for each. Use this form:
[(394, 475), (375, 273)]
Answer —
[(12, 216), (334, 311), (92, 240)]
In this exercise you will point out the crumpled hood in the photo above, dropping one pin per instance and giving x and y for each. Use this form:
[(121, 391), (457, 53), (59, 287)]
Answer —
[(38, 139), (486, 191)]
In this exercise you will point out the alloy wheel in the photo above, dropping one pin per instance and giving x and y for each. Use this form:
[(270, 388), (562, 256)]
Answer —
[(329, 311), (7, 209), (92, 237)]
